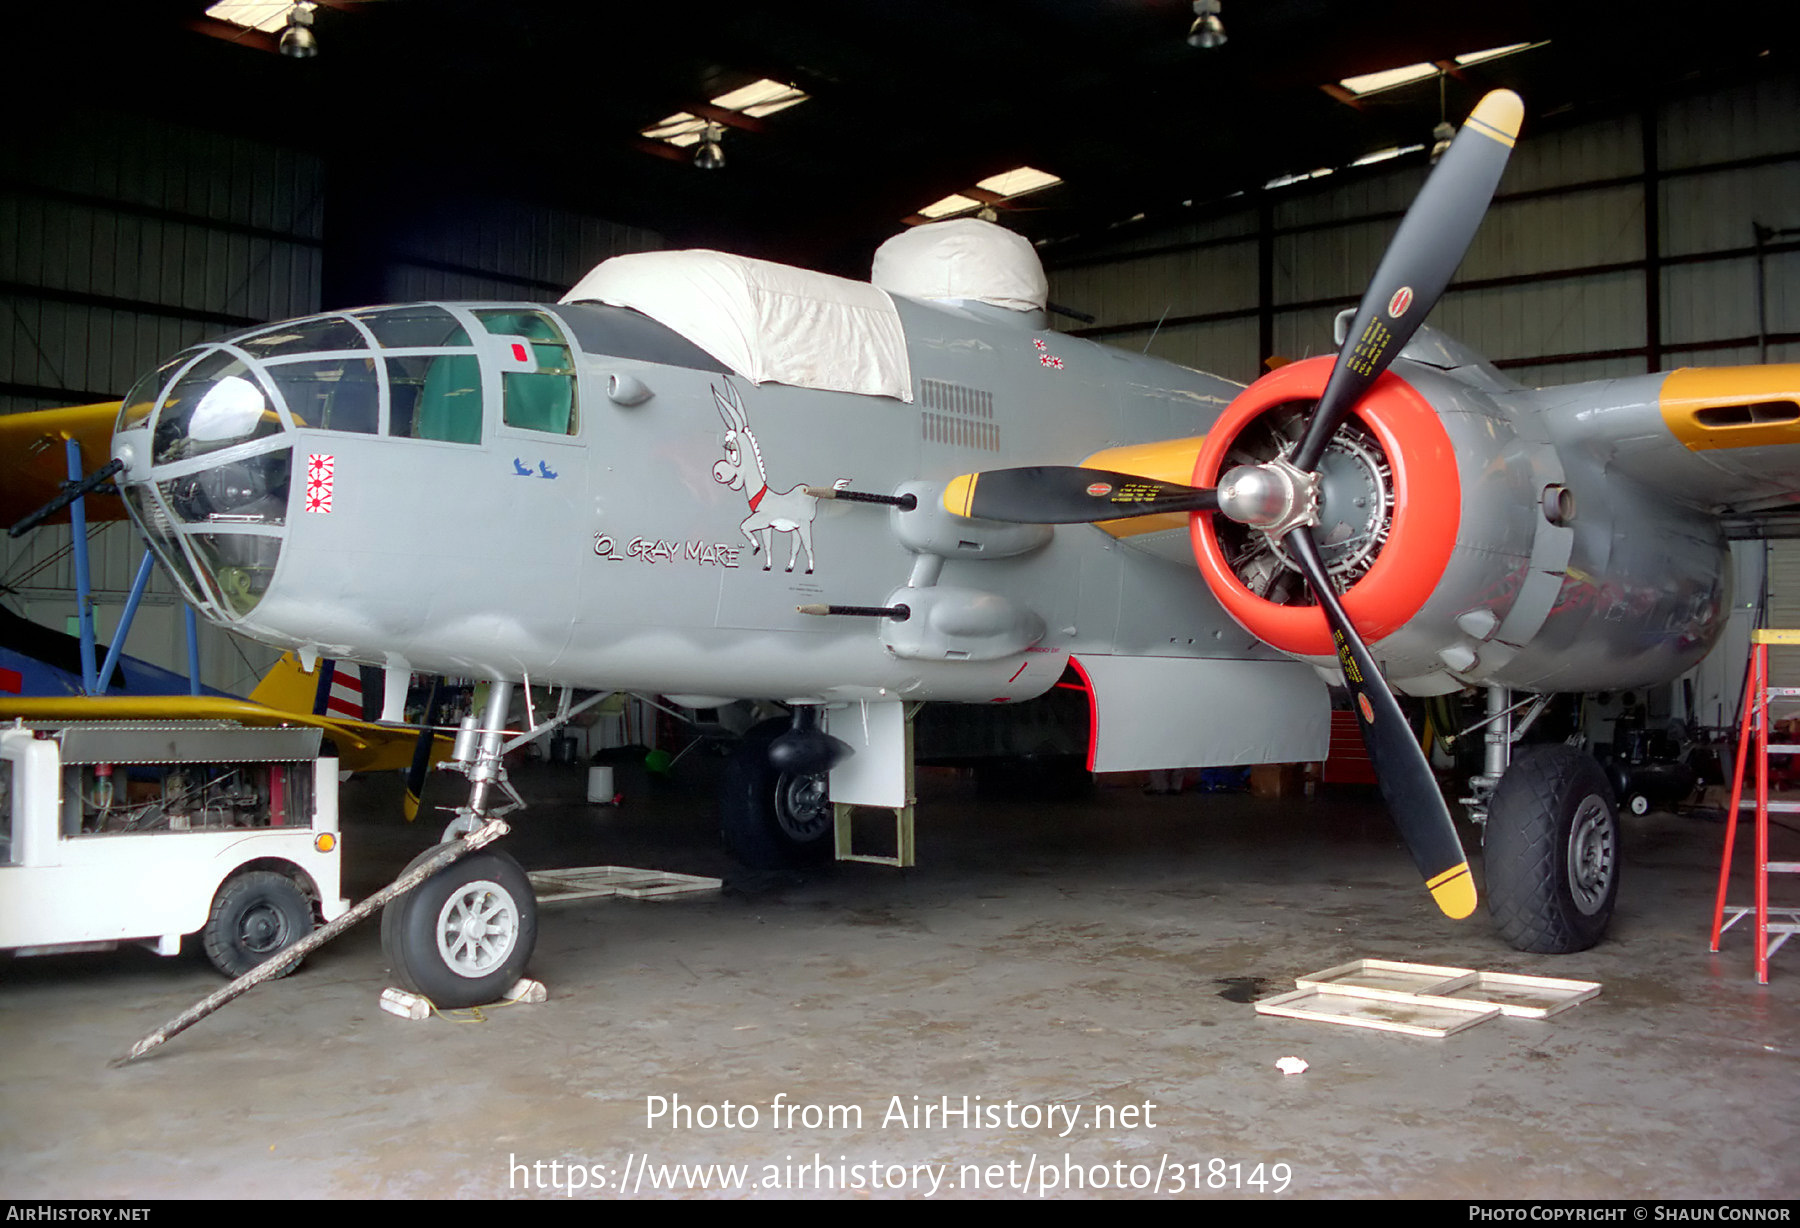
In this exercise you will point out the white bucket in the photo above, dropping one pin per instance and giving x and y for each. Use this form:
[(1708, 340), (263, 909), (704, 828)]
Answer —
[(600, 784)]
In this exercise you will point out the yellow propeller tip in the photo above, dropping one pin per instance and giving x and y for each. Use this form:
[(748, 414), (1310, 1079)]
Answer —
[(959, 494), (1499, 115), (410, 806), (1453, 892)]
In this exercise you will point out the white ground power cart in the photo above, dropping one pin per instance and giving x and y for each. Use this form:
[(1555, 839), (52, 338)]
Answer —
[(149, 831)]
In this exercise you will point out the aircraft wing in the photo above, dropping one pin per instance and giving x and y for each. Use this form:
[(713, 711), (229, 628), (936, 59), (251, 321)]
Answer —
[(363, 746), (34, 462)]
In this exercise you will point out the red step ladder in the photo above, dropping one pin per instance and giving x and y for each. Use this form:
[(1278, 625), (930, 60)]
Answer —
[(1755, 727)]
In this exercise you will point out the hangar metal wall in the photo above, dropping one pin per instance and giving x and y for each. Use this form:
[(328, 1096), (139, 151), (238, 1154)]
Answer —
[(123, 239), (484, 248), (1612, 248)]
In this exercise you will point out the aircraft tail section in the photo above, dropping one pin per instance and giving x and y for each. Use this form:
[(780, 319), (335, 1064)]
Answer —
[(334, 691)]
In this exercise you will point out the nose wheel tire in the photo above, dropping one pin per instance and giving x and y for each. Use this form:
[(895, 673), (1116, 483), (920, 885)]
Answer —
[(1552, 852), (771, 819), (463, 937), (255, 915)]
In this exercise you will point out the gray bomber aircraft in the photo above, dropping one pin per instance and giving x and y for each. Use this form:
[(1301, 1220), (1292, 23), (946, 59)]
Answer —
[(714, 478)]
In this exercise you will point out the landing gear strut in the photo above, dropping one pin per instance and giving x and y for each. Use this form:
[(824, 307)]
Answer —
[(464, 936), (1550, 836)]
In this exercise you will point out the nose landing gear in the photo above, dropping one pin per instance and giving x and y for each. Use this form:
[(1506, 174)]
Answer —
[(464, 936)]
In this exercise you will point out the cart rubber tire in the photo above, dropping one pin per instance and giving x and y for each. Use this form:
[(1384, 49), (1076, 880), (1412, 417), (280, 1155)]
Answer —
[(255, 915), (770, 819), (463, 936), (1552, 852)]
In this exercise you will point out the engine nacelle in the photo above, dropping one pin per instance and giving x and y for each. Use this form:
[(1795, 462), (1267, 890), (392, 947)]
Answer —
[(1473, 550)]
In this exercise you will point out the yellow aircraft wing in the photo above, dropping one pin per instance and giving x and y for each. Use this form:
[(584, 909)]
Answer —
[(34, 463), (363, 746), (283, 697)]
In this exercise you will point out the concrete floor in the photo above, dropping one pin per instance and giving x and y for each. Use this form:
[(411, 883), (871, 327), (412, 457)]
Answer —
[(1073, 954)]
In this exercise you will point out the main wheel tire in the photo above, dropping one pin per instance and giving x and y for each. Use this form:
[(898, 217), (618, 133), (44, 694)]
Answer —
[(256, 915), (1552, 852), (771, 819), (464, 935)]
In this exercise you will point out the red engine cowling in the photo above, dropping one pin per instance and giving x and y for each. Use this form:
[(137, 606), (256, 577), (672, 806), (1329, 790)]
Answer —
[(1427, 505)]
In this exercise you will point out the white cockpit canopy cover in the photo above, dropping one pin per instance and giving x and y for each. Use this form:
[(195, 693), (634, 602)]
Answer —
[(767, 322), (964, 258)]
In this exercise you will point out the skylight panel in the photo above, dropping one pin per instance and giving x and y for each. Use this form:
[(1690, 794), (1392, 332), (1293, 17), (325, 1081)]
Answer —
[(763, 97), (1392, 78), (1283, 181), (1383, 155), (1387, 79), (1493, 53), (266, 15), (1018, 181), (995, 189), (949, 205), (678, 129), (760, 98)]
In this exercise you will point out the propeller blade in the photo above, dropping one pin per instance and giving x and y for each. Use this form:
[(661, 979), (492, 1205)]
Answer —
[(1407, 785), (1425, 251), (1068, 494)]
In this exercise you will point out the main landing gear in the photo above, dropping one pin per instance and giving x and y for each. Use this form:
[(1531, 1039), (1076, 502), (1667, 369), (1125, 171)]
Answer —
[(1550, 836), (774, 808)]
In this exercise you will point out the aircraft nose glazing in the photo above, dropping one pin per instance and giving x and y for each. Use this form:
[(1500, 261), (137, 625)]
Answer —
[(209, 464)]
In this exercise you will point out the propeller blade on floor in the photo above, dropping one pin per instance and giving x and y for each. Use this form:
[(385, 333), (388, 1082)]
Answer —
[(1069, 494), (1401, 768), (1431, 242)]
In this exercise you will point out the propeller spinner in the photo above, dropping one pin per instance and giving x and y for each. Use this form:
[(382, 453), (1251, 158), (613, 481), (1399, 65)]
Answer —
[(1280, 498)]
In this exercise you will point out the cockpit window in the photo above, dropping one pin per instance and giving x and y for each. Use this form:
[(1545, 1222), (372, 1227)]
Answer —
[(159, 532), (435, 396), (249, 490), (240, 567), (305, 337), (141, 400), (538, 375), (333, 394), (217, 404), (409, 328)]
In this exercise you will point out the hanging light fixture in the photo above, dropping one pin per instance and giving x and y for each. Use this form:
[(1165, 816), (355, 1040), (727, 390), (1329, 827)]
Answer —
[(1444, 133), (297, 40), (1207, 31), (1441, 136), (711, 154)]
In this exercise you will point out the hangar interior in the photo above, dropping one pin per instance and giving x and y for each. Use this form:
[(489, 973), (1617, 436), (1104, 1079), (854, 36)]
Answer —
[(1213, 206)]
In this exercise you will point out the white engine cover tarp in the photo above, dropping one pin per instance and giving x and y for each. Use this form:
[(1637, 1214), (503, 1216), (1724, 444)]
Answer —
[(767, 322), (965, 258)]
